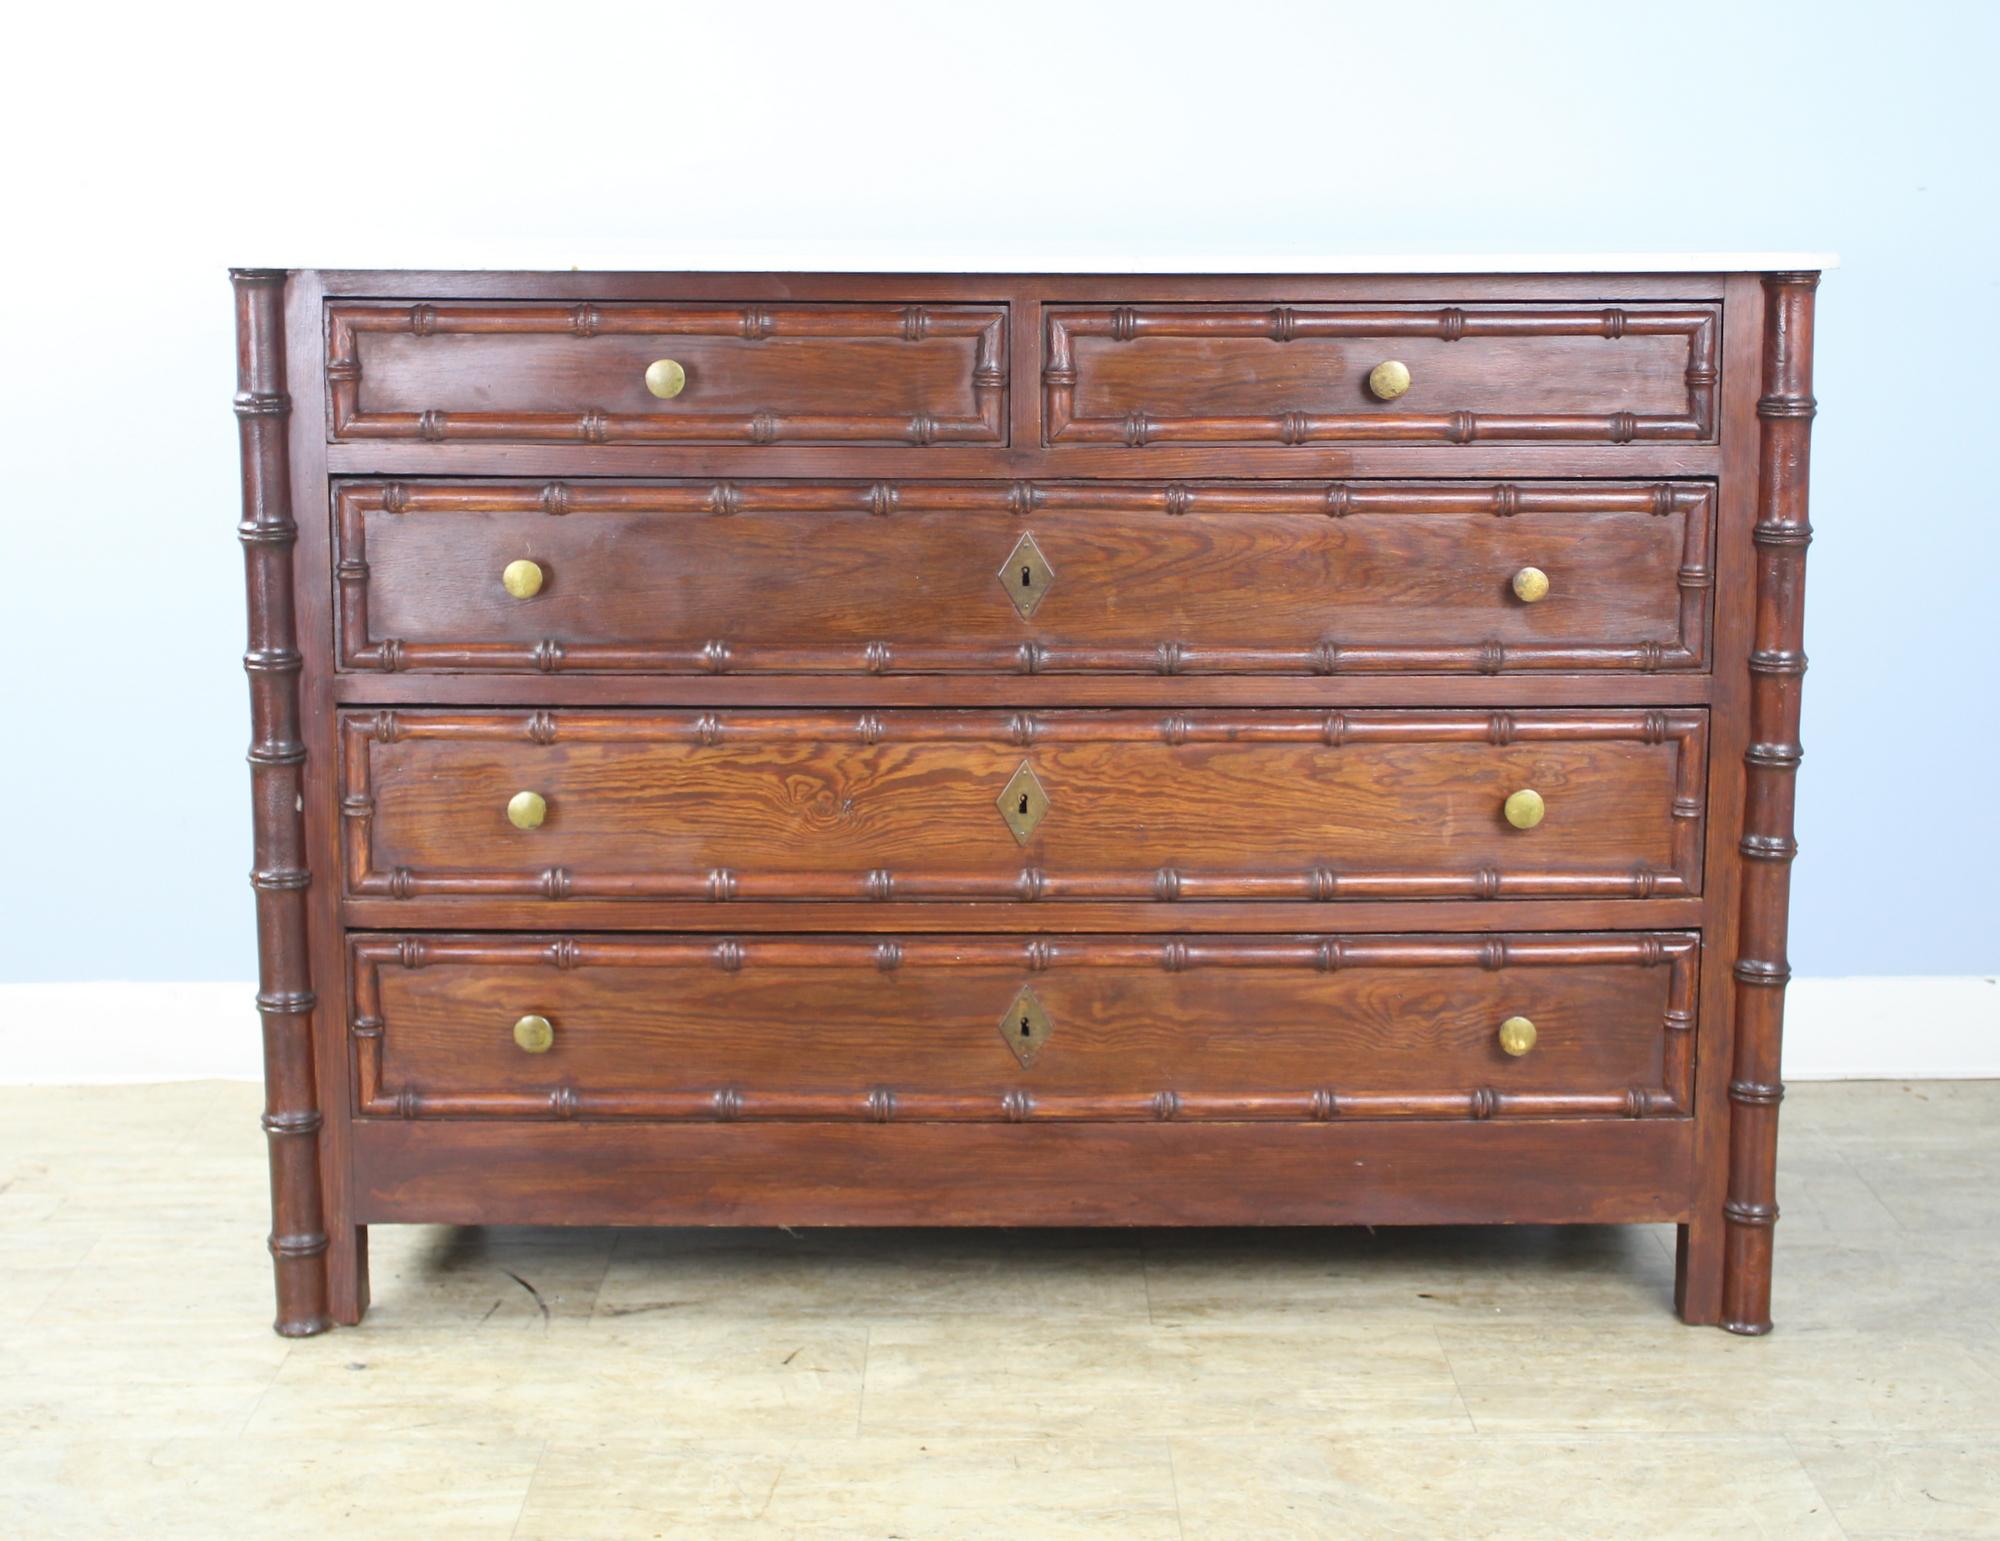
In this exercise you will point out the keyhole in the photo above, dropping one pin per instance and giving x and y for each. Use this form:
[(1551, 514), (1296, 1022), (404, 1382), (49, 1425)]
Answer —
[(1024, 802), (1025, 1030), (1026, 583)]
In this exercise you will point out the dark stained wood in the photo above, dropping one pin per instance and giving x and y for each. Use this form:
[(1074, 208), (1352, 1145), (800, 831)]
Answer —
[(313, 586), (1698, 1276), (1386, 1172), (1260, 570), (1771, 763), (1298, 374), (919, 1028), (279, 871), (915, 577), (1192, 805)]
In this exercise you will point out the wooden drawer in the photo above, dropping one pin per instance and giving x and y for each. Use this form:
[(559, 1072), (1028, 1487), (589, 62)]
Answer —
[(925, 577), (1300, 374), (1110, 805), (981, 1029), (753, 374)]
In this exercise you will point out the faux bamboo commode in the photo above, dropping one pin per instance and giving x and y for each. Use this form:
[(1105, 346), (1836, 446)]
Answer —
[(758, 748)]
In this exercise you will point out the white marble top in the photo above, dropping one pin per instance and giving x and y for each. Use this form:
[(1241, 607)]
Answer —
[(886, 257)]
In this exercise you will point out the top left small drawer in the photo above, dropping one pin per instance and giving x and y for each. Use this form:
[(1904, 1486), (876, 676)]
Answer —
[(667, 373)]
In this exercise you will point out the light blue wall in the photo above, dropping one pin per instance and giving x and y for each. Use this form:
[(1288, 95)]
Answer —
[(1146, 129)]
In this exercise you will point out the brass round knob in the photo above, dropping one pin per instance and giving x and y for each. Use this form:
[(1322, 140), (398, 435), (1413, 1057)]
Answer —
[(1524, 809), (522, 579), (1517, 1036), (1389, 379), (526, 810), (1531, 585), (665, 378), (536, 1034)]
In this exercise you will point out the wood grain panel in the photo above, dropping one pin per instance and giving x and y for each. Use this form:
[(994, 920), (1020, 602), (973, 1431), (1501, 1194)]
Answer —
[(891, 578), (756, 373), (880, 1028), (1298, 374), (903, 805), (1352, 1172)]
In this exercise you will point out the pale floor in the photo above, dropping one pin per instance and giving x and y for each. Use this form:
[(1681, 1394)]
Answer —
[(1019, 1385)]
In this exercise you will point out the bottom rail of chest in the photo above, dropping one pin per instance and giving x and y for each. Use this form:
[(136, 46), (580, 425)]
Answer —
[(1532, 1172)]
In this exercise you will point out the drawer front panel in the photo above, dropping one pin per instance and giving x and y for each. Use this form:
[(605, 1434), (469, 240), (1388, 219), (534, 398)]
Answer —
[(1184, 374), (1046, 805), (1024, 1029), (750, 374), (920, 577)]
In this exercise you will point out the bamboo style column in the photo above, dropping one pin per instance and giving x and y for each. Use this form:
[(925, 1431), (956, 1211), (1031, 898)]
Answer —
[(1771, 763), (277, 782)]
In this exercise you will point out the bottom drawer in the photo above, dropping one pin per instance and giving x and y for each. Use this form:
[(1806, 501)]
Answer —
[(1024, 1029)]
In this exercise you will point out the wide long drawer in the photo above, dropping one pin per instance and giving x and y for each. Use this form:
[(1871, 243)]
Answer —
[(1020, 578), (592, 373), (1047, 805), (1309, 374), (1024, 1029)]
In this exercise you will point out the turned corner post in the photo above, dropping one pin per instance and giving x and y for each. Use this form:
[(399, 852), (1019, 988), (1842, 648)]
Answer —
[(279, 873), (1771, 764)]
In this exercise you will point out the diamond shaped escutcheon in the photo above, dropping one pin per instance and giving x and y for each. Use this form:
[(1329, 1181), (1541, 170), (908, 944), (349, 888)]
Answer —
[(1026, 1027), (1026, 575), (1023, 803)]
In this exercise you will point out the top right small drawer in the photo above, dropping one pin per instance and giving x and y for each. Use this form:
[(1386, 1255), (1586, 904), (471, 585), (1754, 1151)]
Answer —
[(1279, 375)]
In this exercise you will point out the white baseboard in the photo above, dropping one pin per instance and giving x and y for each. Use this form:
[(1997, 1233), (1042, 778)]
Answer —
[(1893, 1027), (1873, 1028), (103, 1033)]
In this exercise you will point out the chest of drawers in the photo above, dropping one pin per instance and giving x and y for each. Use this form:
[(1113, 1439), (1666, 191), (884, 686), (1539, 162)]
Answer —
[(753, 749)]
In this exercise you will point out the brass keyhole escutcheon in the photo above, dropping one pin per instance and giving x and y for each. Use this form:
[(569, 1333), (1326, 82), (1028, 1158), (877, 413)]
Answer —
[(1026, 1027), (1026, 576), (1023, 803)]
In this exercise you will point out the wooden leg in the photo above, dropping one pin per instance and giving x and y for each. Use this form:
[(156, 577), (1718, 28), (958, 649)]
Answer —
[(347, 1274), (1698, 1272), (298, 1243)]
